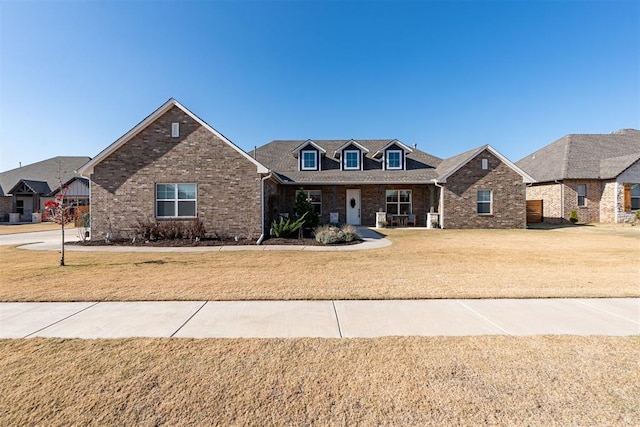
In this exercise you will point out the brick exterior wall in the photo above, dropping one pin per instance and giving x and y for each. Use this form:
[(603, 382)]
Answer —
[(6, 206), (591, 211), (508, 195), (372, 200), (123, 184), (630, 176), (550, 194)]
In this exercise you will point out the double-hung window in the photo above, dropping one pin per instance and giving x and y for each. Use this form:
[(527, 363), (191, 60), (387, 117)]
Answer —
[(394, 159), (176, 200), (399, 202), (351, 160), (582, 194), (484, 202), (309, 160)]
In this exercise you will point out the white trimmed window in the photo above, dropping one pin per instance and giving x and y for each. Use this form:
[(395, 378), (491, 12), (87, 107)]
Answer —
[(582, 194), (399, 202), (484, 202), (485, 164), (315, 198), (394, 159), (308, 160), (175, 130), (351, 160), (176, 200)]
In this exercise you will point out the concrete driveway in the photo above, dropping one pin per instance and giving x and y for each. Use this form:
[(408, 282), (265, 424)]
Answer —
[(327, 319)]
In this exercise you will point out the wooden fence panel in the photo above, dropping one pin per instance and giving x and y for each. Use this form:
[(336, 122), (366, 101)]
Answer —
[(534, 211)]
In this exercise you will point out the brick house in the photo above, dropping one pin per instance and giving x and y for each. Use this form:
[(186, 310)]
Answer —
[(596, 175), (174, 166), (24, 190), (351, 181)]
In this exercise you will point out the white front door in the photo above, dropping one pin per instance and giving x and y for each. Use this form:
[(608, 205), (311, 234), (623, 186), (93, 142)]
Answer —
[(353, 206)]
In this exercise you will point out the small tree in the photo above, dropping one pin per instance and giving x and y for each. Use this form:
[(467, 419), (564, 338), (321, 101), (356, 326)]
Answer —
[(61, 213), (304, 207)]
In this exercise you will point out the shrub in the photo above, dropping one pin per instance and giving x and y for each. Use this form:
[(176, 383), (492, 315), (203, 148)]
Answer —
[(287, 228), (170, 230), (573, 217), (328, 234)]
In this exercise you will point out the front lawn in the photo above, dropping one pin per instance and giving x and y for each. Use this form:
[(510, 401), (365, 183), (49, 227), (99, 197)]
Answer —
[(387, 381), (579, 261)]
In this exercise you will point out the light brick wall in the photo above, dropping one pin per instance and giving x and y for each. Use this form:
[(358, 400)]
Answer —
[(508, 192), (630, 176), (123, 184), (591, 211), (550, 194), (608, 202)]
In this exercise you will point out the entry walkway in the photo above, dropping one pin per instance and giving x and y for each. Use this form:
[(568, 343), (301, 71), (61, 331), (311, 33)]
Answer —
[(328, 319)]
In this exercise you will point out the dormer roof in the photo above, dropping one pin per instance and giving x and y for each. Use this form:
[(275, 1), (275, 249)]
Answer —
[(308, 142), (349, 143)]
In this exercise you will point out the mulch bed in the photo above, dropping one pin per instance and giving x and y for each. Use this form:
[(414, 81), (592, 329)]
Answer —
[(207, 242)]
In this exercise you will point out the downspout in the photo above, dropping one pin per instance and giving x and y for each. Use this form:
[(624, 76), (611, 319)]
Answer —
[(262, 216), (440, 203)]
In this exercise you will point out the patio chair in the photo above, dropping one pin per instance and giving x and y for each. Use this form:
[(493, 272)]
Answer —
[(392, 220), (411, 220)]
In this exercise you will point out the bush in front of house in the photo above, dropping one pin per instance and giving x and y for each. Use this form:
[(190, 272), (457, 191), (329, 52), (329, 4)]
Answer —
[(331, 235), (170, 230), (287, 228), (573, 217)]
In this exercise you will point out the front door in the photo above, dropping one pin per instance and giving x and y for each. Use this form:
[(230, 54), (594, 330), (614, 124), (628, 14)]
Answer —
[(353, 206)]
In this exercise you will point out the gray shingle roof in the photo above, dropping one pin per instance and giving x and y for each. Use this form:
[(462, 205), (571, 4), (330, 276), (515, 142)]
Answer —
[(277, 156), (584, 156), (48, 171)]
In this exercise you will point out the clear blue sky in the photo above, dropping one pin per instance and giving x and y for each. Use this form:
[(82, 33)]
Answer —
[(448, 76)]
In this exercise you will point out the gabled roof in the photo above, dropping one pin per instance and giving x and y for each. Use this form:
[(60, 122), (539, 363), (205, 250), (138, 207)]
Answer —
[(453, 164), (584, 156), (350, 142), (277, 156), (51, 171), (75, 178), (31, 186), (404, 147), (87, 169), (308, 142)]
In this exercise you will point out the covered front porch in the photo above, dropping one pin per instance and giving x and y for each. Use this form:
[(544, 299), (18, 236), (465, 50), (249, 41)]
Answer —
[(372, 205)]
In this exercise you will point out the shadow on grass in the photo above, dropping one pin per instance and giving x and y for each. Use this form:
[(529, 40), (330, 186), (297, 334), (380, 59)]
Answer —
[(548, 226)]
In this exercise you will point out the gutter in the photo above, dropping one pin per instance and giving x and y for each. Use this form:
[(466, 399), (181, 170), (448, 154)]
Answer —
[(262, 228)]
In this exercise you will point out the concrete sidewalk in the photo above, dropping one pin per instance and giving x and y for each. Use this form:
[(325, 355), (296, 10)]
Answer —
[(50, 241), (328, 319)]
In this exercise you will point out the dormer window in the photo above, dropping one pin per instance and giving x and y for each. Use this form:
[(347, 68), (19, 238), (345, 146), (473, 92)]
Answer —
[(351, 160), (394, 159), (309, 160)]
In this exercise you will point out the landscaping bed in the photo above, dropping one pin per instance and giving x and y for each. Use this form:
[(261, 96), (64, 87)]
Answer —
[(305, 241)]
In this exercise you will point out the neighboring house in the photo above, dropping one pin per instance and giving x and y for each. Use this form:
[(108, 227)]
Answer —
[(598, 176), (174, 166), (24, 190), (351, 180)]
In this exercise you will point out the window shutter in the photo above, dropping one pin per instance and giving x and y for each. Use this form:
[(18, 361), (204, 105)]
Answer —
[(627, 197)]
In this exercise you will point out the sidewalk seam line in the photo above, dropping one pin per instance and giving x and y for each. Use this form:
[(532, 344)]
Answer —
[(335, 311), (484, 318), (64, 318), (188, 320), (605, 311)]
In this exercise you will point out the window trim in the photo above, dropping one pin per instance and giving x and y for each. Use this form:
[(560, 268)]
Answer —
[(315, 160), (176, 201), (175, 130), (632, 197), (484, 202), (583, 196), (400, 166), (398, 203), (485, 164), (344, 160)]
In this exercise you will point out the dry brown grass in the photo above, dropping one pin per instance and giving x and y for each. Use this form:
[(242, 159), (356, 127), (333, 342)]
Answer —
[(399, 381), (27, 228), (588, 261)]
